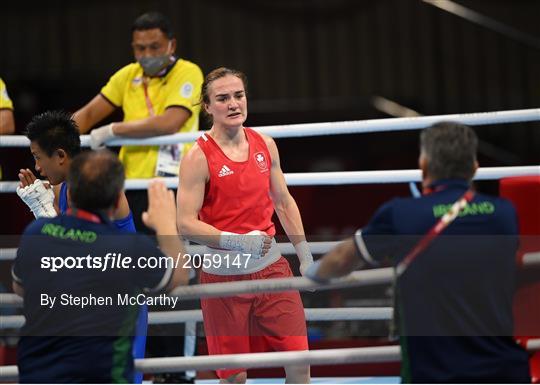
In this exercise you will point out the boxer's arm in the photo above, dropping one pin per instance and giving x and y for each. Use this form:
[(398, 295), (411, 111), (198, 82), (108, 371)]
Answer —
[(287, 209), (193, 176)]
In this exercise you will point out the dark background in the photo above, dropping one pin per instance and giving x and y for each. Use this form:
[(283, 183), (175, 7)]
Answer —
[(307, 61)]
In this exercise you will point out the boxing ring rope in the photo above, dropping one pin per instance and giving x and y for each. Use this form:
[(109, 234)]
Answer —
[(270, 360), (340, 177), (10, 300), (529, 259), (328, 128), (183, 316), (214, 290), (253, 360), (9, 254), (533, 344), (259, 360)]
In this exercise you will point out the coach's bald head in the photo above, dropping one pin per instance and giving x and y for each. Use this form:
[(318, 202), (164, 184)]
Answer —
[(95, 180)]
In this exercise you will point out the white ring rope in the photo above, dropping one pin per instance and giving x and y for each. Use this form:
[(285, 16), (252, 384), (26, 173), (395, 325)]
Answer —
[(314, 314), (253, 360), (270, 360), (340, 177), (328, 128), (375, 354), (531, 259), (533, 345), (185, 316), (12, 321), (285, 248), (213, 290), (10, 300)]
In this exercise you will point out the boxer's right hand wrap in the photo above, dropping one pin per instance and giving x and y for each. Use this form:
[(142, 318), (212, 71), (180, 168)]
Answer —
[(38, 198), (250, 243)]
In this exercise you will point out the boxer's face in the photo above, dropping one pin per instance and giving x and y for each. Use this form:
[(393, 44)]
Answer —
[(228, 102), (50, 167)]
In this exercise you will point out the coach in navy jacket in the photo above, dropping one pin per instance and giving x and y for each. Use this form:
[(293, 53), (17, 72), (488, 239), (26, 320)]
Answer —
[(454, 252)]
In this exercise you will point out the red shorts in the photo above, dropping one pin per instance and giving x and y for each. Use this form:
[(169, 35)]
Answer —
[(249, 323)]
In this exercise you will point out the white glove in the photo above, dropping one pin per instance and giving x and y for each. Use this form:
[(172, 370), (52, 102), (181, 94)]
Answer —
[(38, 198), (99, 136), (254, 242), (304, 256)]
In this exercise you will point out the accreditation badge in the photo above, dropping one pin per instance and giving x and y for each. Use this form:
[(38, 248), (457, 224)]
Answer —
[(168, 161)]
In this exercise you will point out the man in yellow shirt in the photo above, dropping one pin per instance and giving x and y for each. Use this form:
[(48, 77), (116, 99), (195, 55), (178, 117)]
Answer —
[(7, 123), (158, 94)]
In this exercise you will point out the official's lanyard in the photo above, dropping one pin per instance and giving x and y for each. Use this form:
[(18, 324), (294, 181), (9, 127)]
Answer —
[(435, 231), (149, 104), (83, 214)]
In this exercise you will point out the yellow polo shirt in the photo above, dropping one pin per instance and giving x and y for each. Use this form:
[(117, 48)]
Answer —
[(5, 101), (180, 86)]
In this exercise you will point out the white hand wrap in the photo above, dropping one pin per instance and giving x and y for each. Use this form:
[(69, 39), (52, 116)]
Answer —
[(312, 272), (250, 243), (99, 136), (304, 256), (38, 198)]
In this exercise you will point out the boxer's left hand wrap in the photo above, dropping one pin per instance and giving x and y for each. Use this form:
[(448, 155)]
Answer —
[(312, 272), (99, 136), (304, 256), (38, 198)]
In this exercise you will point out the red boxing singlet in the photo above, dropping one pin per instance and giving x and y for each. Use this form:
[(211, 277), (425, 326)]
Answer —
[(237, 196)]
